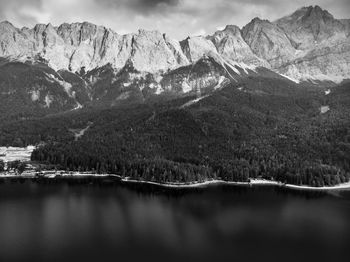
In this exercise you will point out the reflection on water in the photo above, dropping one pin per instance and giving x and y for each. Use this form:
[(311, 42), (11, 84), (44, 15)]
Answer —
[(74, 223)]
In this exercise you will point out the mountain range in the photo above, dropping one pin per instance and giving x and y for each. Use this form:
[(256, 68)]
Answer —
[(50, 69)]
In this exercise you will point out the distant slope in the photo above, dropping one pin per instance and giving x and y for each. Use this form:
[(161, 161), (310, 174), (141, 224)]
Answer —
[(28, 90)]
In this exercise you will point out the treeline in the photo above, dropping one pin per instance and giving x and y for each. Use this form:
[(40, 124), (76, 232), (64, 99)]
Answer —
[(165, 171), (246, 163), (286, 168), (156, 170)]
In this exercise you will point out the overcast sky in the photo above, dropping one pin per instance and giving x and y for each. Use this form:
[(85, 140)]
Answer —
[(177, 18)]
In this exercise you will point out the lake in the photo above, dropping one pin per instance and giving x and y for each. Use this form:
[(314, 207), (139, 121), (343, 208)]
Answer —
[(61, 222)]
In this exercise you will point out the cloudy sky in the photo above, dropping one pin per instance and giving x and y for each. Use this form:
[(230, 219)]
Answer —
[(177, 18)]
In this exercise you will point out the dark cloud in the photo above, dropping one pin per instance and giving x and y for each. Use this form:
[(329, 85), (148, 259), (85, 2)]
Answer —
[(143, 7), (151, 4)]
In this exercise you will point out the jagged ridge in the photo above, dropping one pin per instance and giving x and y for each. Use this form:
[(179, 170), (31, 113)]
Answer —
[(310, 43)]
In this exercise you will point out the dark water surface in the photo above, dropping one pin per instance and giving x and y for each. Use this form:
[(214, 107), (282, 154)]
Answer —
[(115, 223)]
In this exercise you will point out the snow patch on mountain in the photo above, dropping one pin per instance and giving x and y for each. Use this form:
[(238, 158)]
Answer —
[(35, 95), (186, 87), (324, 109), (194, 101), (233, 68), (48, 100), (243, 66), (123, 96), (221, 81), (291, 78), (66, 86), (159, 90), (78, 106)]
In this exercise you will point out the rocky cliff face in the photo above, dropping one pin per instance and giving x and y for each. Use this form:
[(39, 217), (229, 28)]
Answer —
[(152, 52), (84, 45), (322, 45), (310, 26), (269, 42), (308, 44), (324, 63), (13, 42), (231, 45), (195, 48)]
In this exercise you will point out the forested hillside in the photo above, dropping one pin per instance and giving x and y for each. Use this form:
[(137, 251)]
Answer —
[(260, 129)]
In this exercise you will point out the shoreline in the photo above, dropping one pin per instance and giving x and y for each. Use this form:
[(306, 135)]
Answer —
[(253, 182), (195, 184)]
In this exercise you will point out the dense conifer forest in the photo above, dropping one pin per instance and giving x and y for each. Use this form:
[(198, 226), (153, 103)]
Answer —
[(263, 132)]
